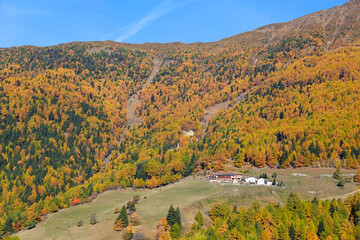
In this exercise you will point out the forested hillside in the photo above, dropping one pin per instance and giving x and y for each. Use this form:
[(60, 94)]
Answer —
[(311, 219), (287, 95), (62, 110)]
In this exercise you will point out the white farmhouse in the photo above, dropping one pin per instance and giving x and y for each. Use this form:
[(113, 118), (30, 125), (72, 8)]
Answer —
[(269, 183), (250, 180), (261, 181)]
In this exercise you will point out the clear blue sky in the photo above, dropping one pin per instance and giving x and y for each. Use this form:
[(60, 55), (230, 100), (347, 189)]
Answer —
[(50, 22)]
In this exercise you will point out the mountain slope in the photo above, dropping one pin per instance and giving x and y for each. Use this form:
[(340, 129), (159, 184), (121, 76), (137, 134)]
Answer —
[(336, 27), (288, 94)]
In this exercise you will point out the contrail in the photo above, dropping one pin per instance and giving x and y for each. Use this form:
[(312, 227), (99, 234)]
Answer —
[(162, 9)]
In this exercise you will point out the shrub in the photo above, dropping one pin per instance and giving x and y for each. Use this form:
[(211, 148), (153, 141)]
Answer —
[(131, 206), (136, 199), (93, 219), (118, 226), (135, 219), (337, 174), (117, 210), (128, 233)]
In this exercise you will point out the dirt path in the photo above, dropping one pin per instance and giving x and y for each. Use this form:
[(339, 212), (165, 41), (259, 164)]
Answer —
[(211, 111), (344, 196), (273, 192), (132, 119)]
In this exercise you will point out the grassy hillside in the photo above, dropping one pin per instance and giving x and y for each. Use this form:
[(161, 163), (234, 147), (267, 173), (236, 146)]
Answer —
[(190, 195)]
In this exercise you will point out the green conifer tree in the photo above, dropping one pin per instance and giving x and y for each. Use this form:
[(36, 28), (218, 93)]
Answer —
[(199, 218), (321, 227), (292, 233), (7, 228), (171, 216), (175, 231), (178, 216), (124, 217)]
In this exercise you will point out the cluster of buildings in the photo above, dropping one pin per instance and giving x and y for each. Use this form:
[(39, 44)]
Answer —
[(238, 178)]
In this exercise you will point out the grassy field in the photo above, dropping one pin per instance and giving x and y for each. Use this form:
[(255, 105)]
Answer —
[(190, 195)]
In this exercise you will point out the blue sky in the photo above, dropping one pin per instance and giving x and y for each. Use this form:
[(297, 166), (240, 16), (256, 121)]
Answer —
[(48, 22)]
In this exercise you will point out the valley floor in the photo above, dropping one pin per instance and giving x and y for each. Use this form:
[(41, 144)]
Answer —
[(190, 195)]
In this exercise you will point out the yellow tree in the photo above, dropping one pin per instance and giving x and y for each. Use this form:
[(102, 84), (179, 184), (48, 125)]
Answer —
[(357, 176)]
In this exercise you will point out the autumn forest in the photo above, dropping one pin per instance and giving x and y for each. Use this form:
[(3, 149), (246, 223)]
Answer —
[(290, 101)]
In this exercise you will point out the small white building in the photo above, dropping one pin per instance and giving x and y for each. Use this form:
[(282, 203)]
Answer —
[(269, 183), (261, 181), (250, 180)]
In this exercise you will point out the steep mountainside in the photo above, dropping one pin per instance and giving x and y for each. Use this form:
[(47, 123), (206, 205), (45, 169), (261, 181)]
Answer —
[(79, 118), (338, 26)]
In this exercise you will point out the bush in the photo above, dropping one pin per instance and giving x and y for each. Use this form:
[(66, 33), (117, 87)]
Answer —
[(136, 199), (135, 219), (131, 206), (118, 226), (340, 184), (117, 210), (93, 219), (128, 233), (337, 174), (80, 223)]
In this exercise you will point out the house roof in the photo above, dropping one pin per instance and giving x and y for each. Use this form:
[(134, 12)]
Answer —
[(227, 174)]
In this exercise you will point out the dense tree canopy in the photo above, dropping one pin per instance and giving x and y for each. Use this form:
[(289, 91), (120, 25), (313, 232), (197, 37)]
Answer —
[(310, 219), (63, 111)]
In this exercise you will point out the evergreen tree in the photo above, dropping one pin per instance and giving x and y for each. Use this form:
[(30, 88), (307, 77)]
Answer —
[(210, 234), (7, 228), (315, 201), (31, 225), (282, 232), (321, 227), (199, 218), (171, 217), (292, 233), (178, 216), (235, 209), (357, 212), (274, 182), (175, 231), (123, 217), (293, 202)]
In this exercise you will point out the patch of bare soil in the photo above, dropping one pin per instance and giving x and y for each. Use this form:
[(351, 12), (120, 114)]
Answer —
[(132, 118), (211, 111)]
